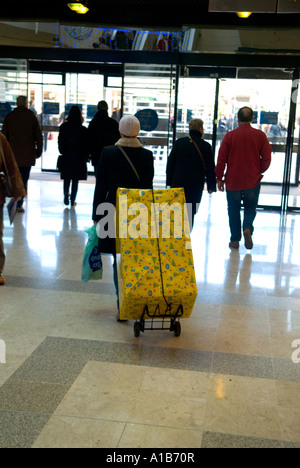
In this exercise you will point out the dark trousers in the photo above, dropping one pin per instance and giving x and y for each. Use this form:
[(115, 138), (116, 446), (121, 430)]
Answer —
[(74, 191), (247, 198), (25, 173), (193, 198)]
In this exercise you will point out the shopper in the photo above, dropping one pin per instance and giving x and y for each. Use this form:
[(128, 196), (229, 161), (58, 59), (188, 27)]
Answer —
[(22, 129), (74, 148), (103, 131), (18, 190), (244, 155), (115, 171), (189, 169)]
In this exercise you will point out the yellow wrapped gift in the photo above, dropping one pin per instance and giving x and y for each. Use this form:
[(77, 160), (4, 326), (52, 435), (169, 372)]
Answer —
[(155, 260)]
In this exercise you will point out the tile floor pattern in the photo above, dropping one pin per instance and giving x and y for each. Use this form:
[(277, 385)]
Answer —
[(74, 377)]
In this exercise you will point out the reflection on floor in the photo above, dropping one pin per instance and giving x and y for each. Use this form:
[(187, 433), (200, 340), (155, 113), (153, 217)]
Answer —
[(74, 377)]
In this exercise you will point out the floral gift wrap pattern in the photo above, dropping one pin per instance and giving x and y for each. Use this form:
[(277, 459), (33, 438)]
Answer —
[(155, 260)]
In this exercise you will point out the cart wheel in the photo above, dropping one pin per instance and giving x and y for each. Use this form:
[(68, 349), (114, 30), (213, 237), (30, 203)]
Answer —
[(177, 329), (137, 329)]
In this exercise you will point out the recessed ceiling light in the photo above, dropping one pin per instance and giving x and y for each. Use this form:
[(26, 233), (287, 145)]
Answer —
[(244, 14), (80, 8)]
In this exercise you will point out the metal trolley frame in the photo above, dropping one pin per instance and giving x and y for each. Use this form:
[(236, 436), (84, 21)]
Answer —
[(166, 318)]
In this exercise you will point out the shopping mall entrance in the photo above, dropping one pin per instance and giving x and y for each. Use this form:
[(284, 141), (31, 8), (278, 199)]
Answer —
[(167, 97)]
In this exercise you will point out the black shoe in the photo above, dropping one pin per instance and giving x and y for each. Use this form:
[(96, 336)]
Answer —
[(67, 201)]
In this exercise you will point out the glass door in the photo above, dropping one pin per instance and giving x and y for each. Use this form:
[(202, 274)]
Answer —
[(196, 100), (270, 100), (149, 93), (47, 100), (52, 96), (294, 189)]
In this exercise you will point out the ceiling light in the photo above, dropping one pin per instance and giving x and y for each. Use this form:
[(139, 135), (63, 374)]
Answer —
[(244, 14), (80, 8)]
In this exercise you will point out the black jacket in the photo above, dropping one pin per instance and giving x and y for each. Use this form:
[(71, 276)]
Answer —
[(114, 171), (185, 167), (103, 131), (73, 146)]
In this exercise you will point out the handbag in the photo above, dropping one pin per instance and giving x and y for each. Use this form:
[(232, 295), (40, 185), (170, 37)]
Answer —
[(5, 180), (201, 156), (59, 163)]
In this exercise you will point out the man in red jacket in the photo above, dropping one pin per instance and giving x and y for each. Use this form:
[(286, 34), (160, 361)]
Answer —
[(245, 153)]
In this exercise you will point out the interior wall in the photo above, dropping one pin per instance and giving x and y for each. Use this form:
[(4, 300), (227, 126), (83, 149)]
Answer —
[(28, 35)]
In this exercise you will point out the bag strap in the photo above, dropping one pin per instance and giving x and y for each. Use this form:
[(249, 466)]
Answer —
[(201, 156), (130, 162), (3, 157)]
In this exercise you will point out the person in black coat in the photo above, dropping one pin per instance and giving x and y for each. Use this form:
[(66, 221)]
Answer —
[(187, 169), (103, 131), (74, 148), (114, 171)]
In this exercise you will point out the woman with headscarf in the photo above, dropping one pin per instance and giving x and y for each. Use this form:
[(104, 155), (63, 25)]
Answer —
[(115, 171)]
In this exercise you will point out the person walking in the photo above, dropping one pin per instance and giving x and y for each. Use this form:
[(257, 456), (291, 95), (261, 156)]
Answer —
[(22, 130), (74, 148), (244, 155), (18, 190), (103, 131), (190, 164), (115, 171)]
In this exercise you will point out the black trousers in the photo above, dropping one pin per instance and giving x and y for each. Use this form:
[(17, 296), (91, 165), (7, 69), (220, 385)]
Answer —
[(74, 191), (25, 173)]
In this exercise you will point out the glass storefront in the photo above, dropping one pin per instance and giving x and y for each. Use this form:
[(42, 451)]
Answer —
[(149, 90), (165, 102), (52, 96)]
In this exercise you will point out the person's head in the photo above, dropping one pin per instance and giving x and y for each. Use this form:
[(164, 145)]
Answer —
[(245, 115), (22, 101), (196, 124), (129, 126), (102, 106), (75, 115)]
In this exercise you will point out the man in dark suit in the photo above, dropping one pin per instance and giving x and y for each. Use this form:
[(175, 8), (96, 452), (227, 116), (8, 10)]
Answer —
[(103, 131), (188, 169), (22, 130)]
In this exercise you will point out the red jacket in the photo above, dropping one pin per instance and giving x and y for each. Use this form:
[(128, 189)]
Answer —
[(246, 152)]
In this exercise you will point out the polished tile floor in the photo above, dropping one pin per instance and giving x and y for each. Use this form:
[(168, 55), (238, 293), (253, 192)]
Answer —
[(74, 377)]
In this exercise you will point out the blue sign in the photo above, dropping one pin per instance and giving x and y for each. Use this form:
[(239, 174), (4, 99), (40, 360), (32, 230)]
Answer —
[(270, 118), (5, 108), (91, 111), (148, 119), (51, 108), (255, 118), (68, 107)]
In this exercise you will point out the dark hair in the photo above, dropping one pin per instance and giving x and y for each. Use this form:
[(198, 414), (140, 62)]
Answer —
[(245, 114), (102, 105), (75, 115)]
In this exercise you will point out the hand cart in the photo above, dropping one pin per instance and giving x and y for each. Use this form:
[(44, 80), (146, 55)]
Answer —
[(166, 318)]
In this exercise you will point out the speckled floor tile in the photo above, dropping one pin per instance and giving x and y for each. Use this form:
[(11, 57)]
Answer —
[(31, 397), (236, 364), (20, 430), (219, 440), (56, 360)]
